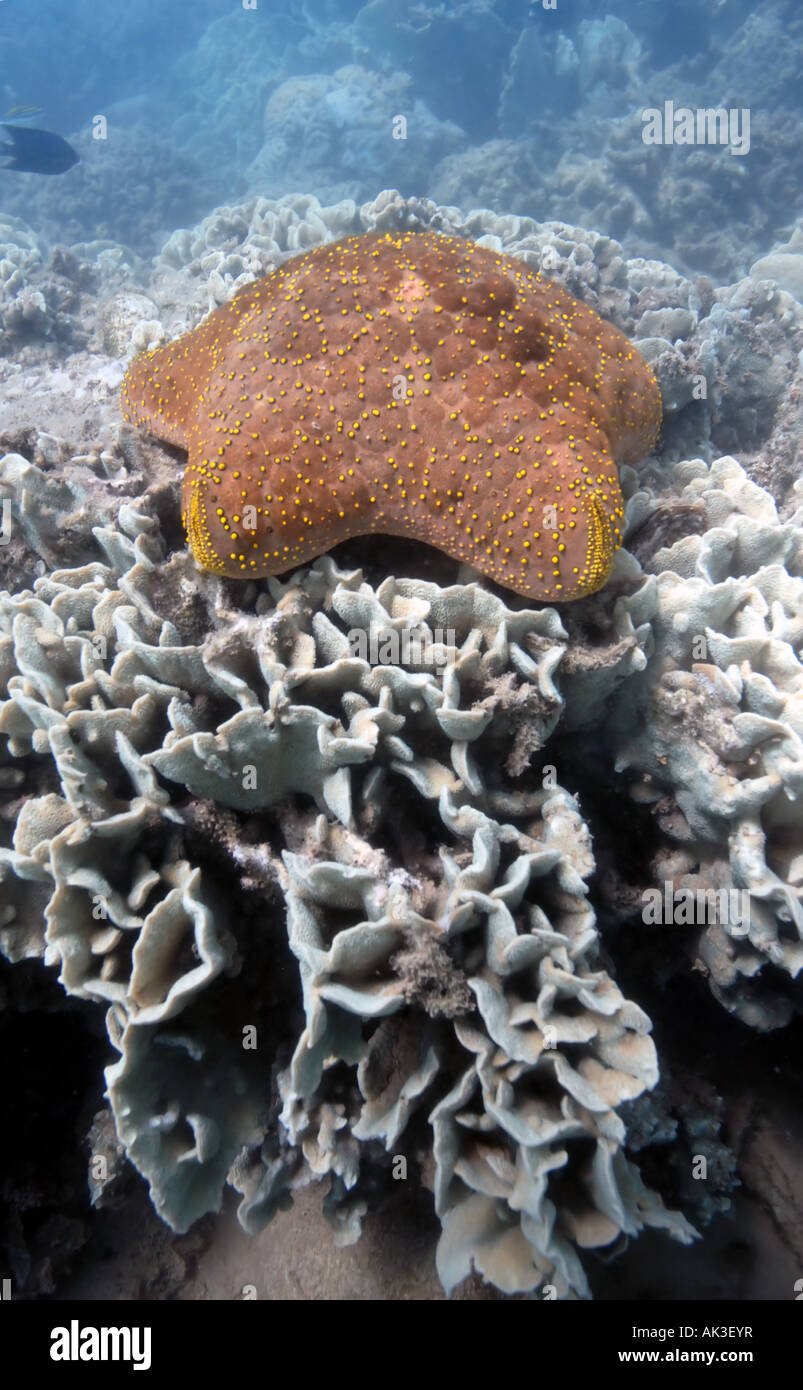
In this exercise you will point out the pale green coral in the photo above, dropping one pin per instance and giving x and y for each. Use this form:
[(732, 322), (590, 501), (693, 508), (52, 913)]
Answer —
[(716, 720), (461, 990), (247, 839), (492, 944), (544, 1061)]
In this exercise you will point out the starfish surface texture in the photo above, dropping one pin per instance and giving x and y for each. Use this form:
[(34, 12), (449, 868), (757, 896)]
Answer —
[(406, 384)]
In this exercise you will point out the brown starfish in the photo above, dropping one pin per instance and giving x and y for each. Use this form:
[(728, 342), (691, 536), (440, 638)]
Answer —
[(405, 384)]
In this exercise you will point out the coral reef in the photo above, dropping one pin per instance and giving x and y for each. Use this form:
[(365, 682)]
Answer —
[(338, 900), (132, 187), (348, 122), (599, 64), (713, 728), (493, 941), (475, 105)]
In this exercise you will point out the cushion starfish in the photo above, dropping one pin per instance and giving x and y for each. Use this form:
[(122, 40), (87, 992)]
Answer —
[(407, 384)]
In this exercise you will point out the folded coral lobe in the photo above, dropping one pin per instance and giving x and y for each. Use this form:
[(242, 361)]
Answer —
[(408, 384)]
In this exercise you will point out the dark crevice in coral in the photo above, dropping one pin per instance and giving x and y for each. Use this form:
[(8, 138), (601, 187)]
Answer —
[(623, 832), (185, 610), (19, 441), (379, 556), (39, 778), (52, 1083), (670, 521), (410, 827), (165, 503), (715, 1054)]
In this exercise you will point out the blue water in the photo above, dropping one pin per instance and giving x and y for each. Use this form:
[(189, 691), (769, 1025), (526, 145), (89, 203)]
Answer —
[(508, 105)]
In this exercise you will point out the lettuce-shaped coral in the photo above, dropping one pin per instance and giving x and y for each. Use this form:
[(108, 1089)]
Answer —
[(714, 726), (528, 1151), (437, 908)]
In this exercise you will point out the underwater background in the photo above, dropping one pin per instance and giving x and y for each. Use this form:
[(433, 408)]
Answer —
[(515, 106), (214, 140)]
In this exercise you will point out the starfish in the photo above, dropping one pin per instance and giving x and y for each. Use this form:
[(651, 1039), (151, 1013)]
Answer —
[(405, 384)]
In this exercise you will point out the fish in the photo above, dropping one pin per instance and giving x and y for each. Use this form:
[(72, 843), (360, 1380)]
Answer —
[(23, 113), (33, 151)]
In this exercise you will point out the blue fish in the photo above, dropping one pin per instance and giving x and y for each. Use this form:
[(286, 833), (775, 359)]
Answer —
[(36, 151)]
